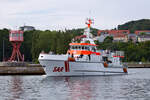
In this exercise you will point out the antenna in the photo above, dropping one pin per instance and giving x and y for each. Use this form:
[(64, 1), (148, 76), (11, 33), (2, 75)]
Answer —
[(90, 13), (89, 21)]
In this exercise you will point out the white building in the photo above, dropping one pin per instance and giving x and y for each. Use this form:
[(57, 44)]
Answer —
[(26, 28), (142, 38)]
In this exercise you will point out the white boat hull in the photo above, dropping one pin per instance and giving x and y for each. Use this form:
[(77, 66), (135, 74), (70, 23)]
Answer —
[(67, 68)]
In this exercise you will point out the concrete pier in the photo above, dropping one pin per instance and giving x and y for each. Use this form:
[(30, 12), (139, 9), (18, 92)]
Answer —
[(20, 68), (131, 65)]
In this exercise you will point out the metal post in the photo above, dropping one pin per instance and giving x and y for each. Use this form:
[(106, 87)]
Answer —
[(3, 49)]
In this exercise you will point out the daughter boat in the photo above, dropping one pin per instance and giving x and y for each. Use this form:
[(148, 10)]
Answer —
[(83, 59)]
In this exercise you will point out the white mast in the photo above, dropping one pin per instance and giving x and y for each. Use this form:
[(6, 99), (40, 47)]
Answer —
[(88, 22)]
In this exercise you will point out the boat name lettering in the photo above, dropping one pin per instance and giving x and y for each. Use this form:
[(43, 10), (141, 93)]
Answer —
[(58, 69)]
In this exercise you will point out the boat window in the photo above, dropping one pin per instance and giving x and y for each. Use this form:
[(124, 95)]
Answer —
[(76, 47), (79, 47), (93, 49), (88, 48), (83, 48)]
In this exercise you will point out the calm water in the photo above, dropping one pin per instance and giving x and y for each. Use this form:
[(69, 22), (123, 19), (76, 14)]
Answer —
[(134, 86)]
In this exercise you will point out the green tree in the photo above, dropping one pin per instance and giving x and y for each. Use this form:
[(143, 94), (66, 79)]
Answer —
[(108, 39)]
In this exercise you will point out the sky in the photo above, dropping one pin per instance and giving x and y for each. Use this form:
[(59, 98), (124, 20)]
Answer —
[(69, 14)]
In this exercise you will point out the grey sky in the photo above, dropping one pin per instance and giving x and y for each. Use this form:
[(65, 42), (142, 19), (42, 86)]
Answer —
[(61, 14)]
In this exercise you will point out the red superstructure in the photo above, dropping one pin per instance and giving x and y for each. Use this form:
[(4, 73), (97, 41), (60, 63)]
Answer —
[(16, 38)]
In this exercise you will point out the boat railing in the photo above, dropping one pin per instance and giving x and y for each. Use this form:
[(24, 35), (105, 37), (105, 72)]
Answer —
[(110, 53), (136, 62), (119, 53)]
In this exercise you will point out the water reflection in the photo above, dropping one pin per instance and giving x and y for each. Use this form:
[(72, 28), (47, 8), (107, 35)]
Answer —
[(79, 89), (83, 88), (16, 87), (100, 87)]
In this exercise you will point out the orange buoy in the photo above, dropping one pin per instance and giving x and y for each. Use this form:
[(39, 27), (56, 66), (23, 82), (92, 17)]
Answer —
[(125, 70), (71, 59), (105, 64)]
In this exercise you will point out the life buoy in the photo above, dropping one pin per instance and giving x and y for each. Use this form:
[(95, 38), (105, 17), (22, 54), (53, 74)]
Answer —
[(105, 64), (125, 70)]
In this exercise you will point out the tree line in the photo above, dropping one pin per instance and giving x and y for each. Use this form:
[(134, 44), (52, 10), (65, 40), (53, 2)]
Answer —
[(37, 41), (57, 41), (134, 52)]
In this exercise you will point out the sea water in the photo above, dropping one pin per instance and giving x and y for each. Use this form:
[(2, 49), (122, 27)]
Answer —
[(134, 86)]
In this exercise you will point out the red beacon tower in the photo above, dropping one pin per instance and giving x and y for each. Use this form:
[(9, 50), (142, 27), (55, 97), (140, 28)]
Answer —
[(16, 38)]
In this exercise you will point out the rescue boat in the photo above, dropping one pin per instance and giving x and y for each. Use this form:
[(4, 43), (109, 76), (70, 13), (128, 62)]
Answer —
[(83, 59)]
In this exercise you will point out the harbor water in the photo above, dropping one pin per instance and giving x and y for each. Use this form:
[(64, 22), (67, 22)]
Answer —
[(134, 86)]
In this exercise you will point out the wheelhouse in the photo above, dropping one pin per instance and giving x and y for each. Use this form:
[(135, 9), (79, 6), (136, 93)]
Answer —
[(83, 49)]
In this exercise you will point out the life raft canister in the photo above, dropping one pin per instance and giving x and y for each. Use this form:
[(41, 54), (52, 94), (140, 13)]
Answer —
[(105, 64), (125, 70), (71, 59)]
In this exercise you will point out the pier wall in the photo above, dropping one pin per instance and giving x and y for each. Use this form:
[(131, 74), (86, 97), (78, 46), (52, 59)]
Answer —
[(21, 69), (135, 65)]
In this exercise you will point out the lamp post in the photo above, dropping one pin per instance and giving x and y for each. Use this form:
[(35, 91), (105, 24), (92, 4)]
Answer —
[(3, 49)]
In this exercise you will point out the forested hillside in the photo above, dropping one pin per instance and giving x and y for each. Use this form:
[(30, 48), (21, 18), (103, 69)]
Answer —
[(143, 24)]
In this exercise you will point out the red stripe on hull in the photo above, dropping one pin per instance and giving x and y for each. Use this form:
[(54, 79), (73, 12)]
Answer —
[(67, 66)]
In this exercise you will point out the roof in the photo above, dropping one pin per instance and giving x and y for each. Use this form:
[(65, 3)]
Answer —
[(79, 37), (119, 35), (113, 32), (26, 27), (83, 44)]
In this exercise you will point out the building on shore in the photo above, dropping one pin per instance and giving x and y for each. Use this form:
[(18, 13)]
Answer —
[(139, 32), (120, 38), (143, 38), (113, 32), (118, 35), (133, 37), (27, 28), (124, 35)]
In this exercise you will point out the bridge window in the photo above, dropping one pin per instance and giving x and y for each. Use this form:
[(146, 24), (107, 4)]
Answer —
[(82, 47), (76, 47), (93, 49), (88, 48), (85, 48), (79, 48)]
